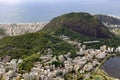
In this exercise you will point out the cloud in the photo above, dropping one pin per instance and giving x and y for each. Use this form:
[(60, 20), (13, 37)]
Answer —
[(10, 1)]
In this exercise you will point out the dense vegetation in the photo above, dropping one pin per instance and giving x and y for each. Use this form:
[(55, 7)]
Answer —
[(113, 42), (2, 32), (25, 45), (28, 63), (82, 27), (79, 23)]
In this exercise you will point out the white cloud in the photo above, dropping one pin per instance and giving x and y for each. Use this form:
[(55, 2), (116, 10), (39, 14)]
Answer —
[(47, 0), (10, 1), (40, 1)]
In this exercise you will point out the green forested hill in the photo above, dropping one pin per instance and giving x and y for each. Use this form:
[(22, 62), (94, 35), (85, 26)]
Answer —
[(80, 23)]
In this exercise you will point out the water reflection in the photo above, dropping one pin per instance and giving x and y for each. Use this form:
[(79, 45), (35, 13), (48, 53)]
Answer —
[(112, 67)]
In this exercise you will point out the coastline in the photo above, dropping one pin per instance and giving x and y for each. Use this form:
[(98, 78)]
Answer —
[(25, 23)]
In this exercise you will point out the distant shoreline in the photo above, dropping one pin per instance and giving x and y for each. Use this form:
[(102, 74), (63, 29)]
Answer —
[(25, 23)]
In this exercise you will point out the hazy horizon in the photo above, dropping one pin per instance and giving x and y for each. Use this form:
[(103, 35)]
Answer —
[(15, 11)]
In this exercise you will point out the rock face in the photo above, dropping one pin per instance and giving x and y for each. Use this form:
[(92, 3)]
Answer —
[(80, 23), (22, 28), (111, 22), (108, 19)]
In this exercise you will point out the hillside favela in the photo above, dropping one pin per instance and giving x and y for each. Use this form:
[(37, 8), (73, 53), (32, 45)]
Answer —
[(59, 40)]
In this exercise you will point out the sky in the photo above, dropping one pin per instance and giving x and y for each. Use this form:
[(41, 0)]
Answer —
[(48, 9), (111, 5), (108, 2), (22, 1)]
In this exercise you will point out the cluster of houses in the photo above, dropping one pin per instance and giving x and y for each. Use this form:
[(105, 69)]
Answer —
[(113, 28), (85, 61), (115, 31), (21, 28), (8, 69)]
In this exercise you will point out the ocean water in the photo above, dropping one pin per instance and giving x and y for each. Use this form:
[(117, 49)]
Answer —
[(112, 67), (28, 12)]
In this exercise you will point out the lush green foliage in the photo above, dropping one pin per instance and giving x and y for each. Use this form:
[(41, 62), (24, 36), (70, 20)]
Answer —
[(2, 32), (28, 63), (78, 23), (113, 42), (57, 63), (25, 45), (62, 48)]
